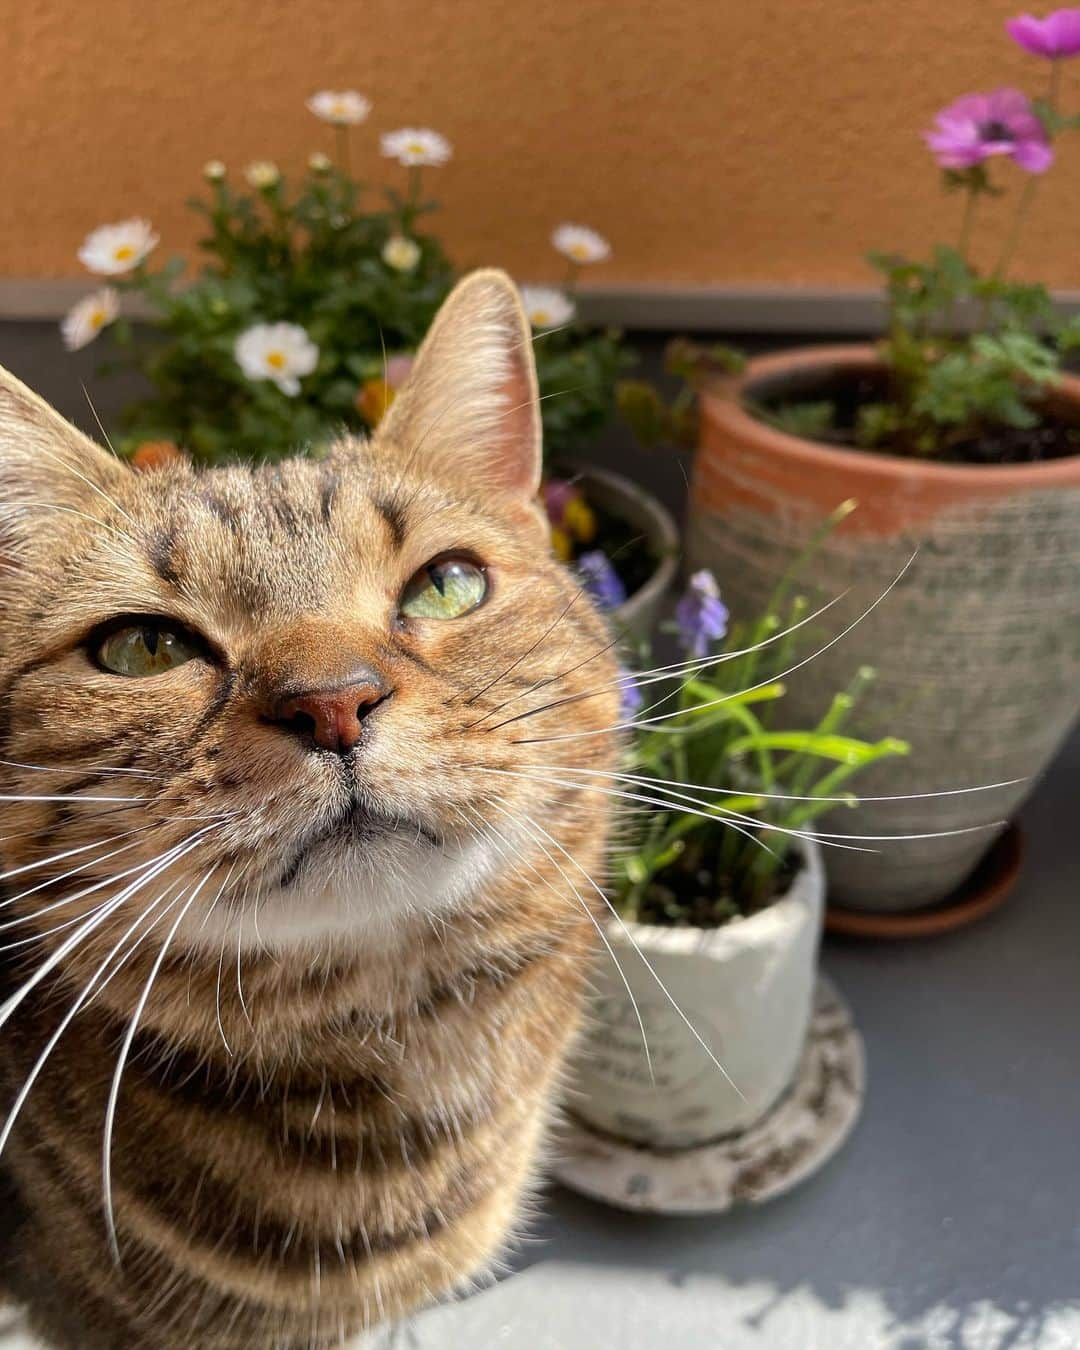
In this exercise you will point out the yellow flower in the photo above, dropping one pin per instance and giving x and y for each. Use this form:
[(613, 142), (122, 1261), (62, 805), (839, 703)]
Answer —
[(561, 544), (373, 400), (579, 519)]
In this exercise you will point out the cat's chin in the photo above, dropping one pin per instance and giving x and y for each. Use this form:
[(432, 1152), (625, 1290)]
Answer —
[(354, 886)]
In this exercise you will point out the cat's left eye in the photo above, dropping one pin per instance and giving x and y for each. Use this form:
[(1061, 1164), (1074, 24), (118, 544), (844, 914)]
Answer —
[(142, 649), (445, 588)]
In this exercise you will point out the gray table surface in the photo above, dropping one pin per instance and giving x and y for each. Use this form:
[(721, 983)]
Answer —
[(951, 1220)]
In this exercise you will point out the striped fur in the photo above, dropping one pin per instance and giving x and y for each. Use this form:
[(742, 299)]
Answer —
[(337, 1088)]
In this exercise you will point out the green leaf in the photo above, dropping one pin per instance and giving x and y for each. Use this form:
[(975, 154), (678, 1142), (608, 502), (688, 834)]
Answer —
[(844, 749), (810, 421)]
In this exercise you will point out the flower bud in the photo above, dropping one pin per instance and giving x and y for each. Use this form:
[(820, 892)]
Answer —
[(263, 174)]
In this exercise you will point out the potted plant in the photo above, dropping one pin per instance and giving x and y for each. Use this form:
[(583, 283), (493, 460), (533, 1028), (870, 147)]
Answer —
[(705, 990), (303, 319), (959, 436)]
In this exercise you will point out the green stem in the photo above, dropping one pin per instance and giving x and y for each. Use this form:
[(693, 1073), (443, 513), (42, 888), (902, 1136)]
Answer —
[(1023, 206), (1027, 196), (341, 135), (412, 198), (964, 242)]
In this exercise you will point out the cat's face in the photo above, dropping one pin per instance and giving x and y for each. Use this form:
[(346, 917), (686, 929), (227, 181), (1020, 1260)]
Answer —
[(286, 703)]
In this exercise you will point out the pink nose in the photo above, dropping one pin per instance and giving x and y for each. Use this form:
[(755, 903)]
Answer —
[(332, 718)]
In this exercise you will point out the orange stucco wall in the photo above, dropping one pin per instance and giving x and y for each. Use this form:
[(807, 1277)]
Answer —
[(722, 141)]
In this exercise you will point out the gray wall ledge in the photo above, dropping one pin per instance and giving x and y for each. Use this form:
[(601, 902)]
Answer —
[(820, 311)]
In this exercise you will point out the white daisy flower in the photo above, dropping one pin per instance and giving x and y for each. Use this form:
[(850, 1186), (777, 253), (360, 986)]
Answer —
[(263, 174), (345, 108), (319, 163), (84, 321), (281, 352), (400, 253), (580, 244), (546, 307), (213, 170), (113, 249), (416, 145)]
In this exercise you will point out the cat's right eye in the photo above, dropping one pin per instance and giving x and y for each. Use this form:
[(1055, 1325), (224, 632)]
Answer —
[(445, 588), (146, 648)]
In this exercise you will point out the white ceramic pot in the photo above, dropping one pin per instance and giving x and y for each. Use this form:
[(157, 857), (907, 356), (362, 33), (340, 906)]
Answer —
[(747, 988)]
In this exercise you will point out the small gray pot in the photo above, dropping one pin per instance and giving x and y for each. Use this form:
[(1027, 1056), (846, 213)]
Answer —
[(638, 615)]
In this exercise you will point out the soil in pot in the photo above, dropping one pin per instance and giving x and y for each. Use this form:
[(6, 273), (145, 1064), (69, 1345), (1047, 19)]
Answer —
[(697, 891), (824, 406)]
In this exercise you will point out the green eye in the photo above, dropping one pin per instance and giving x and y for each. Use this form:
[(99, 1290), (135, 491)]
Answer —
[(444, 589), (143, 649)]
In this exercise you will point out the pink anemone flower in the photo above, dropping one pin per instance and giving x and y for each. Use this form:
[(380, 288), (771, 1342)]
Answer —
[(978, 126), (1055, 36)]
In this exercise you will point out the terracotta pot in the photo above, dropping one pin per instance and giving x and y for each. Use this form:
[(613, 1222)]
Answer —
[(977, 648), (746, 988), (638, 615)]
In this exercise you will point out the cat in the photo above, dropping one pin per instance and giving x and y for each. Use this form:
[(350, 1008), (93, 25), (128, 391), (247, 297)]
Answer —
[(267, 849)]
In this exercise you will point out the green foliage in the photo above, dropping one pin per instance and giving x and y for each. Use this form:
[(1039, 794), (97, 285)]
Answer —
[(947, 385), (968, 352), (655, 420), (579, 373), (811, 421), (311, 254), (730, 786), (753, 782)]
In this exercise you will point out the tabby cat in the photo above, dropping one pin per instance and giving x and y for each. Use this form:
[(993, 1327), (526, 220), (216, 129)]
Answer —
[(267, 849)]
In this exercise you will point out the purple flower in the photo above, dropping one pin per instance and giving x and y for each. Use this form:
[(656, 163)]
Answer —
[(558, 494), (600, 579), (631, 696), (980, 125), (1056, 35), (701, 615)]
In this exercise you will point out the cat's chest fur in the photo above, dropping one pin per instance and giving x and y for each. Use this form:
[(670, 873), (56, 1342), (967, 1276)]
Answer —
[(290, 1200)]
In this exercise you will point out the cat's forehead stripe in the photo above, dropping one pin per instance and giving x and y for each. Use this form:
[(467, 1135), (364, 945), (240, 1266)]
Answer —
[(393, 512), (160, 549)]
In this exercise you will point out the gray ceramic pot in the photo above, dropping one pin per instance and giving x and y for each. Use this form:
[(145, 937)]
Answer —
[(638, 615)]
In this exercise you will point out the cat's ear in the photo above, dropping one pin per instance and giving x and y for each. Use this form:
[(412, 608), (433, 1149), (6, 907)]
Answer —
[(470, 407), (47, 467)]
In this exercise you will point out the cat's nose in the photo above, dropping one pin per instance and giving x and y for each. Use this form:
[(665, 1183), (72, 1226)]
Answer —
[(333, 718)]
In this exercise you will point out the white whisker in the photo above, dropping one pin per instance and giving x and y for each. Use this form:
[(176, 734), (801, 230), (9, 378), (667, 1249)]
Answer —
[(13, 1001), (644, 959), (844, 798), (125, 1049), (659, 674), (727, 698), (595, 923), (70, 1016)]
